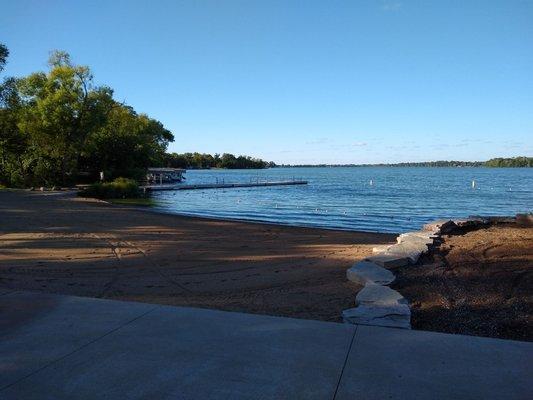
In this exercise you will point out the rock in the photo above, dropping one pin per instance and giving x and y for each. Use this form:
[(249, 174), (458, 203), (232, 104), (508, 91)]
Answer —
[(441, 226), (380, 248), (387, 260), (410, 250), (379, 295), (426, 235), (398, 316), (524, 219), (415, 239), (364, 272), (476, 219), (490, 219)]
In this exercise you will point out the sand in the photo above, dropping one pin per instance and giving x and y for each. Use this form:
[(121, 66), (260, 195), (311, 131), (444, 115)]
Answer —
[(57, 243)]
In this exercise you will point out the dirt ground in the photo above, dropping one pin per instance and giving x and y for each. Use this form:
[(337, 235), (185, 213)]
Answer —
[(477, 283), (60, 244)]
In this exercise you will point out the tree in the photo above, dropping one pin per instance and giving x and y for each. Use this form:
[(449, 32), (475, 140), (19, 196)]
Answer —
[(61, 108), (55, 124), (4, 53), (126, 145)]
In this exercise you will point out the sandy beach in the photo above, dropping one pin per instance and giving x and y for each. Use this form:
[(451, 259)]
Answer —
[(58, 243)]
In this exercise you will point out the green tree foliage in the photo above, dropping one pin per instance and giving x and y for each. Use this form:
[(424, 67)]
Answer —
[(55, 125), (516, 162), (203, 161), (126, 145), (4, 53)]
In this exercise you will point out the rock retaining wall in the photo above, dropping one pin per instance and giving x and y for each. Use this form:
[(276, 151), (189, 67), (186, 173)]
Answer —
[(378, 304)]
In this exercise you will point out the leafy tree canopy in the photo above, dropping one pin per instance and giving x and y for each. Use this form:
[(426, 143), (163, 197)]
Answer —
[(58, 125)]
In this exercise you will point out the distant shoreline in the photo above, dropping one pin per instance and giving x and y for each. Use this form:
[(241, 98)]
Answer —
[(515, 162)]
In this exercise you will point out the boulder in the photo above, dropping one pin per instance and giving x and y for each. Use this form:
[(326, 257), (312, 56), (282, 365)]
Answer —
[(398, 316), (379, 295), (380, 248), (364, 272), (415, 239), (524, 219), (441, 226), (387, 260), (410, 250), (428, 235)]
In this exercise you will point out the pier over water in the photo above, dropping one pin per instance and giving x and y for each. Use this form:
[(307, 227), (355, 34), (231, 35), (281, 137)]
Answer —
[(221, 185)]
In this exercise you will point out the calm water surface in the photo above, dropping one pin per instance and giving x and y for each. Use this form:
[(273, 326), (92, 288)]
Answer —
[(400, 199)]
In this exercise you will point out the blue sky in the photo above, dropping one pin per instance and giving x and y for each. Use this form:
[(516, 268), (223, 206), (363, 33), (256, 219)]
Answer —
[(303, 81)]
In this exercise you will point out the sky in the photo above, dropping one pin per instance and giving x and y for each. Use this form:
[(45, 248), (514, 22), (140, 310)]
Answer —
[(303, 82)]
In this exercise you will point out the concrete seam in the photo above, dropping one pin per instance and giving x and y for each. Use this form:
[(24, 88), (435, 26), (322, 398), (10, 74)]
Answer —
[(345, 362), (78, 349)]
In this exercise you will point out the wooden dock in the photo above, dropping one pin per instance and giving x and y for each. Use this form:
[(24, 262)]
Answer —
[(220, 185)]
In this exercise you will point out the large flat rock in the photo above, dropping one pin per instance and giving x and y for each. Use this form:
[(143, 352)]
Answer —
[(379, 295), (364, 272), (398, 316), (380, 248), (427, 238), (388, 260), (409, 249)]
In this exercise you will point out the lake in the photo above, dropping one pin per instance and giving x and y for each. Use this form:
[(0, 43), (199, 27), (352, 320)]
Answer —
[(382, 199)]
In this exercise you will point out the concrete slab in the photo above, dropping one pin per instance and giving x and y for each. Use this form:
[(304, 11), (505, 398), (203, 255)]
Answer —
[(389, 363), (185, 353), (37, 329), (364, 272), (81, 348)]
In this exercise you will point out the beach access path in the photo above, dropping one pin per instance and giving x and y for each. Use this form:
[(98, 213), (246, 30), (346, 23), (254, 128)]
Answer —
[(65, 347)]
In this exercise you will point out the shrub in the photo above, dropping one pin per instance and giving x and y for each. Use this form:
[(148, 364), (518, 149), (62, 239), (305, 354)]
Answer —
[(120, 188)]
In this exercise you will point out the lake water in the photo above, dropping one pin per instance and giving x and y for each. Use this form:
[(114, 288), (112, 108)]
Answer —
[(398, 200)]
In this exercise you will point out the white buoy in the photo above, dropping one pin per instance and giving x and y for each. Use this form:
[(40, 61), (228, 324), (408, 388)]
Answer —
[(473, 184), (371, 182)]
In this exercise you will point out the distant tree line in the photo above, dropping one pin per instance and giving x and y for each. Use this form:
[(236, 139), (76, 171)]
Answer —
[(58, 128), (516, 162), (206, 161)]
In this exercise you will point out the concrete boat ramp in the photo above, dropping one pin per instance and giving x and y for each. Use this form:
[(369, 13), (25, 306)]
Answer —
[(62, 347), (221, 185)]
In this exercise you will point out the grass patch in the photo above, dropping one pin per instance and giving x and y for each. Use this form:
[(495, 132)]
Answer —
[(122, 188), (140, 202)]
